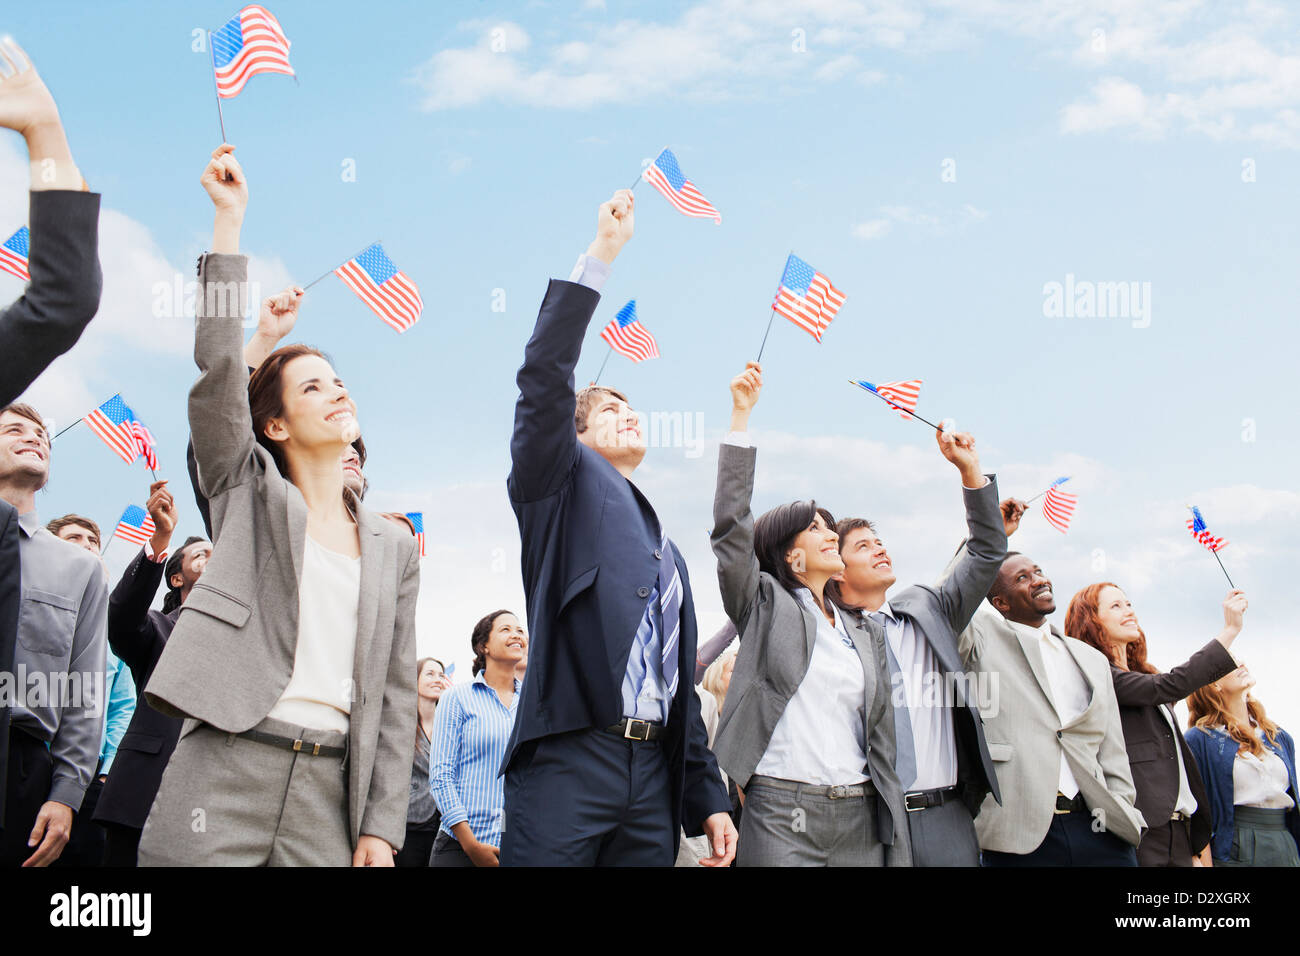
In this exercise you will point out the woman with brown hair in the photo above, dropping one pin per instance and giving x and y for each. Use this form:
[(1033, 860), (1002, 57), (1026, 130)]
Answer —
[(422, 817), (1248, 762), (1170, 792), (292, 655)]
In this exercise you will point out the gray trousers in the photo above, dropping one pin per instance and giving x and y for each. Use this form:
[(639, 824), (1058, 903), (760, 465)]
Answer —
[(944, 836), (794, 828), (229, 801)]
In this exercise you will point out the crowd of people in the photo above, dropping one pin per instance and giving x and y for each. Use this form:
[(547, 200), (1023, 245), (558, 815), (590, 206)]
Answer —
[(274, 711)]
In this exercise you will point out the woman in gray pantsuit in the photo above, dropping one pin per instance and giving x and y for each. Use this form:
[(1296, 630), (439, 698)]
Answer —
[(292, 657), (807, 731)]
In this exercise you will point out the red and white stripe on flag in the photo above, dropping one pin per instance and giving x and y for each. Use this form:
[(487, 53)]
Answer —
[(121, 438), (265, 49), (688, 200), (129, 532), (813, 312), (904, 394), (631, 340), (397, 300), (1058, 508), (1207, 539)]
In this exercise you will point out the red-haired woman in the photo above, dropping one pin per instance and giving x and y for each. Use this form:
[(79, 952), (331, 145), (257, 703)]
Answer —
[(1170, 792), (292, 657), (1248, 763)]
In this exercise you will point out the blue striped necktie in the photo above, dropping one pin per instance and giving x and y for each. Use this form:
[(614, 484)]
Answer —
[(670, 607)]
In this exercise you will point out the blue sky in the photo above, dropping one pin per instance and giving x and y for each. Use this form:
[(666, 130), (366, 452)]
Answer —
[(1111, 142)]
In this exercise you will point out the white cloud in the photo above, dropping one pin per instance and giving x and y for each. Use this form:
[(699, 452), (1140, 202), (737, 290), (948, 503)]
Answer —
[(930, 222), (872, 229)]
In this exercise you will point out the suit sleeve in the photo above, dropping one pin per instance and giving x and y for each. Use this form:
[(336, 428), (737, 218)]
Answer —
[(704, 792), (63, 295), (1112, 754), (1133, 689), (390, 782), (130, 634), (544, 446), (733, 532), (221, 426), (75, 747), (712, 649), (969, 577), (444, 754), (192, 467)]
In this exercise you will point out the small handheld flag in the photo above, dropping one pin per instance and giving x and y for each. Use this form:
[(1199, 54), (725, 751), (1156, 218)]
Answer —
[(145, 442), (135, 525), (417, 522), (629, 337), (13, 254), (806, 297), (451, 669), (251, 42), (112, 423), (389, 293), (1058, 506), (666, 176), (898, 395), (1196, 525)]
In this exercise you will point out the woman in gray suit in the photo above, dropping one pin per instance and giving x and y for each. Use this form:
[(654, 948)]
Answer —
[(807, 730), (292, 657)]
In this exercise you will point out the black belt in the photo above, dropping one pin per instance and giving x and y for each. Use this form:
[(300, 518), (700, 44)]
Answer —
[(1074, 804), (925, 799), (297, 745), (630, 728)]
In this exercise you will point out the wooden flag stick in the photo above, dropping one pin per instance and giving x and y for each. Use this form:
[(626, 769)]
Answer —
[(212, 57), (344, 262), (899, 407)]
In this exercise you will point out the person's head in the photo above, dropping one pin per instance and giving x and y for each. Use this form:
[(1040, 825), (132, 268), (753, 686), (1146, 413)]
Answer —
[(77, 530), (184, 567), (1021, 592), (717, 677), (24, 453), (354, 461), (797, 544), (1212, 706), (300, 407), (607, 425), (867, 565), (498, 636), (430, 678), (1101, 615)]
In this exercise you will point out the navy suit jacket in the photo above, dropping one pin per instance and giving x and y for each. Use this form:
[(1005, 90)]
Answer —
[(589, 539)]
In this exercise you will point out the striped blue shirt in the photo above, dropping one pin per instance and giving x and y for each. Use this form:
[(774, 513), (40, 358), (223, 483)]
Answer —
[(471, 728)]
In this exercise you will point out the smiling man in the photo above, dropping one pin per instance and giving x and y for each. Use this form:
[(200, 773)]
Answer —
[(1053, 731)]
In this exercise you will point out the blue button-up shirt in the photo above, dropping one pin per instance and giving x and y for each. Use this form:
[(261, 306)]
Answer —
[(471, 728)]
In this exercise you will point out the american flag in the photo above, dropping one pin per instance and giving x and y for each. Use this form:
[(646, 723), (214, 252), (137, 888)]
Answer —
[(135, 525), (417, 522), (807, 298), (666, 176), (13, 254), (627, 336), (251, 42), (389, 293), (144, 440), (900, 395), (112, 422), (1196, 525), (451, 669), (1058, 506)]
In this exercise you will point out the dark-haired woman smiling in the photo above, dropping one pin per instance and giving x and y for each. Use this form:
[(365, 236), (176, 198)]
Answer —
[(807, 730)]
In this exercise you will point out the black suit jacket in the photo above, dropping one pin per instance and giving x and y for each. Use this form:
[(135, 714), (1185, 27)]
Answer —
[(1151, 744), (138, 636), (589, 540), (63, 295)]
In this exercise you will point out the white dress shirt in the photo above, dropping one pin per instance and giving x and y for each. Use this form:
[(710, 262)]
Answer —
[(1261, 782), (1069, 689)]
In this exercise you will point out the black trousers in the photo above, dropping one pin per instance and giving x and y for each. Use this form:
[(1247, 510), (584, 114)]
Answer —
[(447, 852), (588, 798), (86, 843), (418, 845), (121, 844), (1169, 844), (27, 789), (1070, 841)]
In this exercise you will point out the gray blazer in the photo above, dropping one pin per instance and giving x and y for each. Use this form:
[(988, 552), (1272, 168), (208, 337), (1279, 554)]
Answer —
[(231, 654), (777, 635), (1026, 738)]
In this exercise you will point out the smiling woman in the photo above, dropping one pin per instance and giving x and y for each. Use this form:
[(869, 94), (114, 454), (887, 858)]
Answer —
[(306, 593)]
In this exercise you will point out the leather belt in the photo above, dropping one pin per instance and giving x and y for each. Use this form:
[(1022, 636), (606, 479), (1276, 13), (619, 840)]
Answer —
[(629, 728), (924, 799), (837, 792), (297, 745), (1073, 804), (1179, 816)]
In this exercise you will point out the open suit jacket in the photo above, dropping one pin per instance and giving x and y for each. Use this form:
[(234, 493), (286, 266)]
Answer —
[(1026, 739), (940, 613), (589, 561), (138, 635), (777, 635), (232, 652), (1153, 744)]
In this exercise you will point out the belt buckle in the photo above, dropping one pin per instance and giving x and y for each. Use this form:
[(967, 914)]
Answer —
[(297, 747), (907, 802), (629, 735), (837, 792)]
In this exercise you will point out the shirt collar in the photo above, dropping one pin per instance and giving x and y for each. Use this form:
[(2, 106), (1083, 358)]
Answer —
[(1042, 632), (480, 678), (30, 523), (804, 595)]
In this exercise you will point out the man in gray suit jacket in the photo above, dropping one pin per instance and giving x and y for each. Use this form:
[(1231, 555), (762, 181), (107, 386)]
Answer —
[(942, 760), (1054, 734)]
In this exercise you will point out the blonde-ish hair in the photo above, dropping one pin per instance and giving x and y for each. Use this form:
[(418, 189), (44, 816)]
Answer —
[(712, 681)]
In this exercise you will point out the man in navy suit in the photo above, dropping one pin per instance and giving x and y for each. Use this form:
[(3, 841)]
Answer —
[(608, 760)]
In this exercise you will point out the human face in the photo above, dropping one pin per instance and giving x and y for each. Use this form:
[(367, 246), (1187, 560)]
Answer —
[(81, 536), (1237, 681), (728, 668), (507, 641), (867, 566), (1118, 620), (318, 413), (24, 451), (815, 551), (614, 432), (353, 479), (432, 680), (193, 563), (1025, 593)]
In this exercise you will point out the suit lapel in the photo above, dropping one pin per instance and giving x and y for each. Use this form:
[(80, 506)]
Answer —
[(1034, 655), (1087, 678), (865, 637), (373, 560)]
